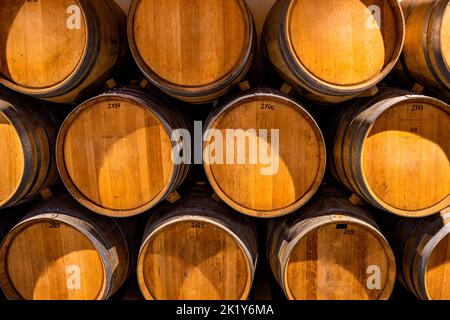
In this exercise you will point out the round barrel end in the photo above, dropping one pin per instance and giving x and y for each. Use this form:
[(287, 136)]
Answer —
[(115, 154), (49, 259), (202, 260), (208, 48), (264, 154)]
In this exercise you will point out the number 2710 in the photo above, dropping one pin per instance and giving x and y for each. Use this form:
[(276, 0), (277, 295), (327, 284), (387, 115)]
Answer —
[(267, 106)]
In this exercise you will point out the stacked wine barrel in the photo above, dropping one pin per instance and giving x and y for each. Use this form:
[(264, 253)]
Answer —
[(60, 251), (211, 44), (393, 151), (318, 179), (206, 251), (289, 178), (60, 50), (422, 248), (114, 152), (427, 62), (28, 133), (331, 250), (339, 54)]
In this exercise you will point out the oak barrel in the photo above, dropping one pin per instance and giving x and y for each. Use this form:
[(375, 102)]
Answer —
[(331, 250), (117, 152), (264, 154), (193, 50), (60, 50), (206, 250), (28, 133), (61, 251), (423, 257), (426, 54), (393, 151), (332, 51)]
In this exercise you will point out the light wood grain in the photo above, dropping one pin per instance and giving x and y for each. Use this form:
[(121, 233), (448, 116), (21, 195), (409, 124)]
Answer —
[(194, 46), (329, 265), (409, 170), (11, 159), (197, 249), (438, 272), (332, 51), (325, 252), (301, 155), (105, 144), (184, 262), (38, 268), (423, 256), (393, 151), (59, 251), (427, 60), (39, 50), (45, 54), (329, 45), (115, 154), (28, 133)]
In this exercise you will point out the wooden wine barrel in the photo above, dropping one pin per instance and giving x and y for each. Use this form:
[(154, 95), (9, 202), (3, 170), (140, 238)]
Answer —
[(115, 152), (423, 256), (193, 50), (275, 161), (426, 54), (60, 50), (393, 151), (28, 133), (332, 51), (61, 251), (331, 250), (205, 250)]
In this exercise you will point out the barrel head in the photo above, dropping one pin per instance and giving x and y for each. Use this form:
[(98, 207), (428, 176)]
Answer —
[(116, 156), (51, 260), (42, 42), (194, 259)]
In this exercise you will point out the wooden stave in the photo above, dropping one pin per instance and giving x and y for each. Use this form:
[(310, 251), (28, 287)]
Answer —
[(342, 134), (90, 73), (48, 123), (414, 242), (425, 65), (277, 53), (200, 207), (228, 104), (171, 120), (359, 175), (201, 94), (284, 234), (103, 232), (351, 130), (37, 128)]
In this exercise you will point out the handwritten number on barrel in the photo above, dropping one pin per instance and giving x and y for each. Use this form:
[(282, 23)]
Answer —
[(267, 106), (417, 107)]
